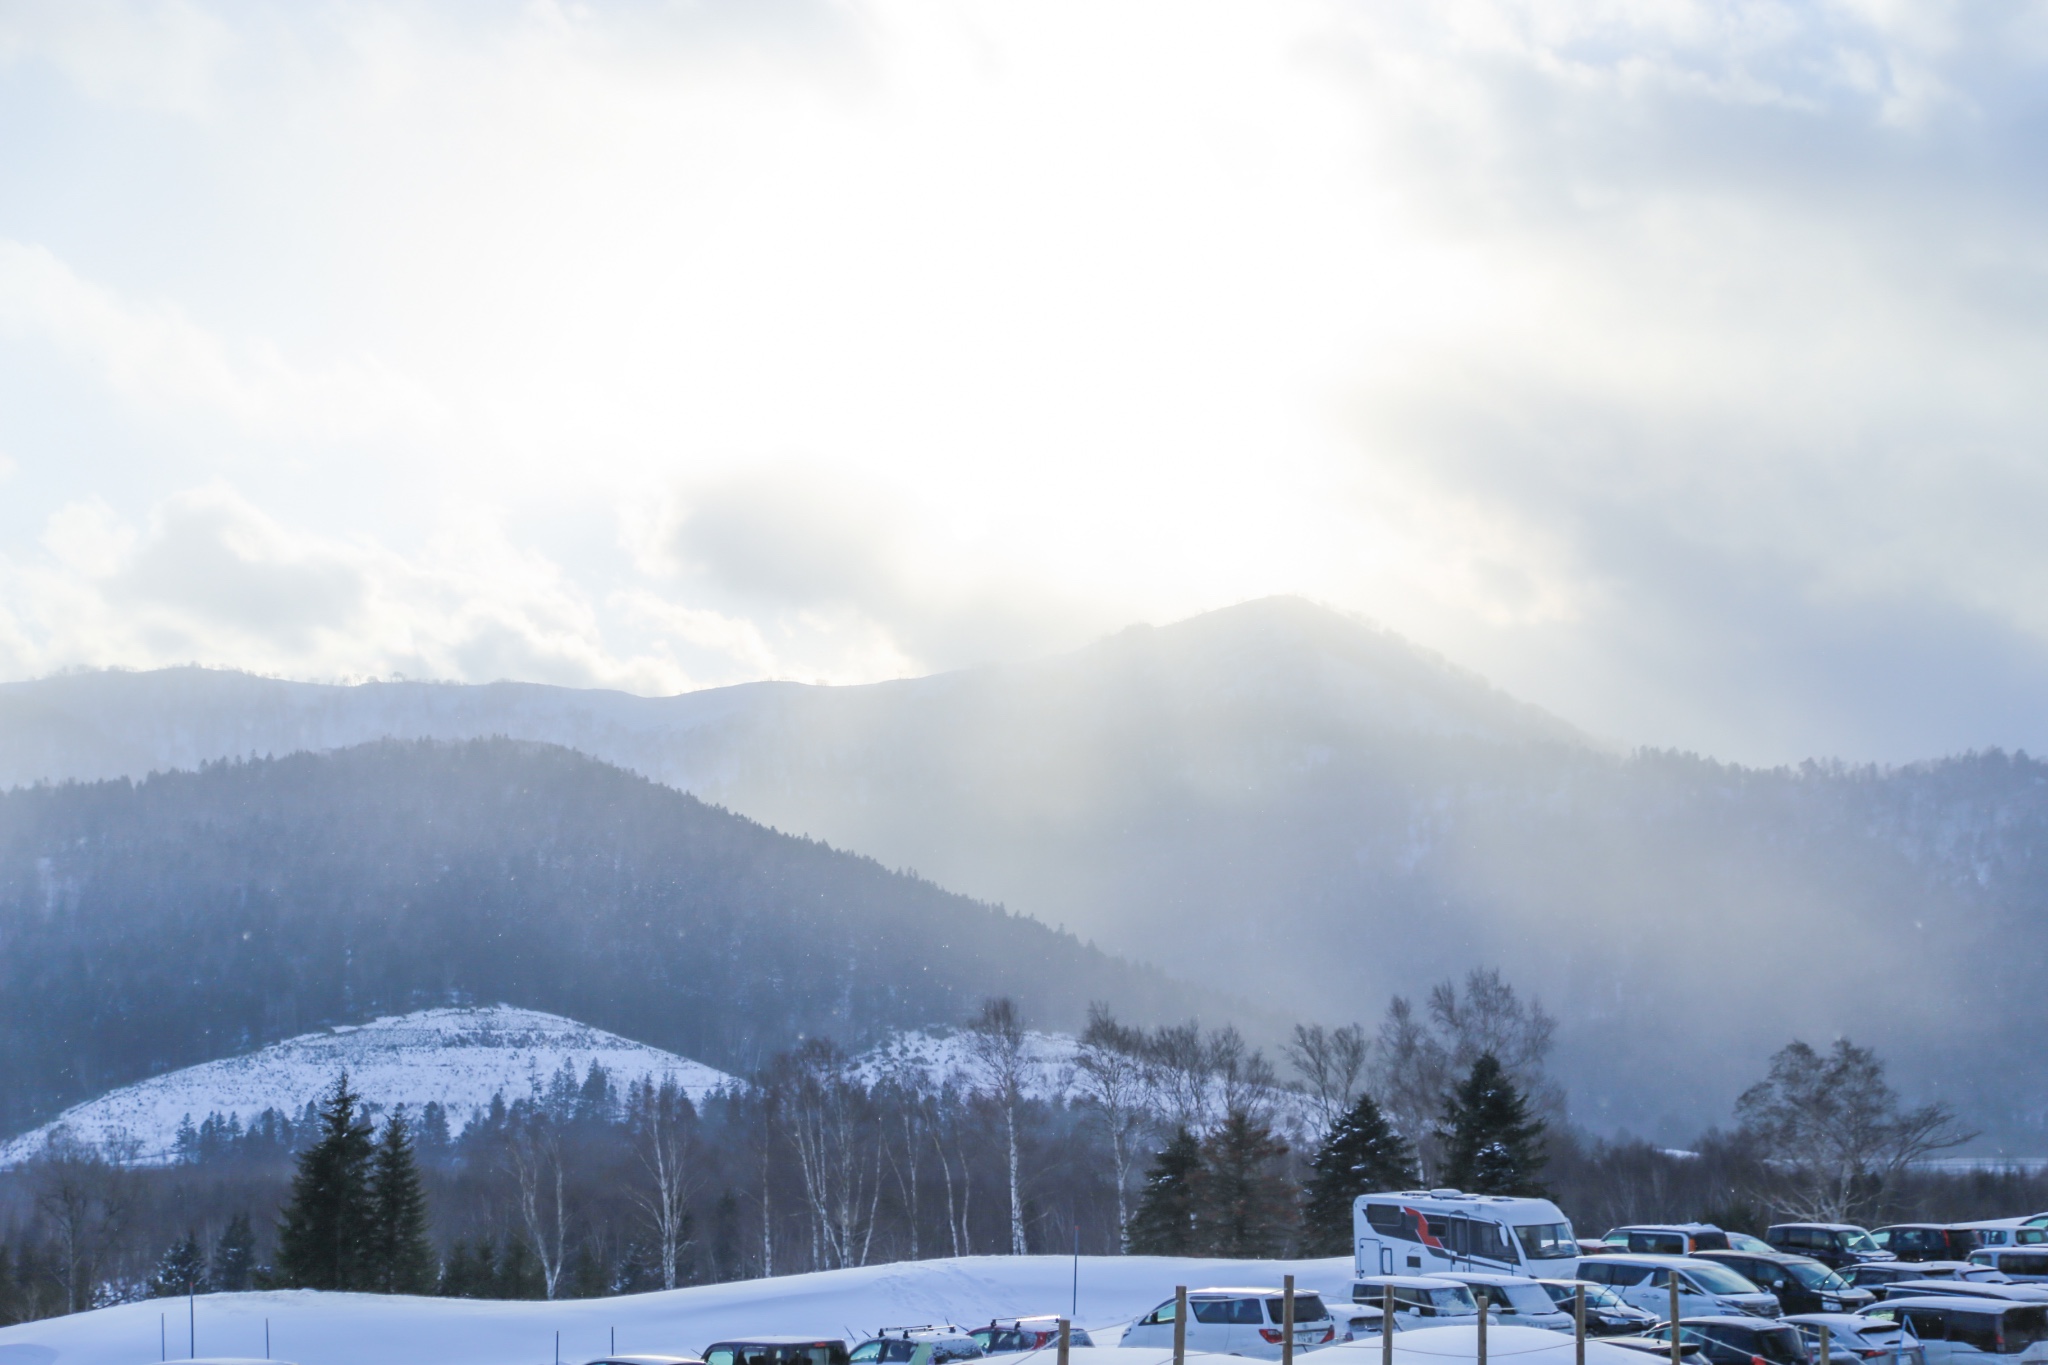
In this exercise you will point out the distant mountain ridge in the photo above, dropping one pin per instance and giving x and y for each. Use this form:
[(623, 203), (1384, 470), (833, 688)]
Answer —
[(1290, 808), (146, 927)]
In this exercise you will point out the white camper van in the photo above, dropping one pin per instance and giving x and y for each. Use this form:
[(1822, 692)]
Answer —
[(1427, 1232)]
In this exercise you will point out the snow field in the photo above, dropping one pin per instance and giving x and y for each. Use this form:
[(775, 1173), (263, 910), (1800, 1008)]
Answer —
[(312, 1328)]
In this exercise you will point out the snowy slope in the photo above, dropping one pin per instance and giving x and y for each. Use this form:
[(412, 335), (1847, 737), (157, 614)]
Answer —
[(460, 1057), (352, 1329)]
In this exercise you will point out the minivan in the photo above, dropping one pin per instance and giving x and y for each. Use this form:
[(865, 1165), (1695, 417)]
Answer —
[(1237, 1322), (1925, 1242), (1834, 1245), (1665, 1239), (777, 1351), (1959, 1331), (1802, 1284), (1738, 1341), (2023, 1264), (1705, 1288)]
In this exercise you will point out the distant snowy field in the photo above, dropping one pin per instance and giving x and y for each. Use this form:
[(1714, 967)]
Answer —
[(461, 1057), (361, 1329)]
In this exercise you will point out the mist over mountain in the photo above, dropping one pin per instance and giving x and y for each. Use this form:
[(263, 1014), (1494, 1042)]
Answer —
[(1282, 803), (145, 927)]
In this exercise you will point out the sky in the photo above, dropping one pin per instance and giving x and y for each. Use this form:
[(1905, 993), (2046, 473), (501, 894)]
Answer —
[(1679, 367)]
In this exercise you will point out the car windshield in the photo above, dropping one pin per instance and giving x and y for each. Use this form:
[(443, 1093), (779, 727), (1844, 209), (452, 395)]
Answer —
[(1814, 1275), (1522, 1298), (1546, 1241), (1856, 1239), (1718, 1279)]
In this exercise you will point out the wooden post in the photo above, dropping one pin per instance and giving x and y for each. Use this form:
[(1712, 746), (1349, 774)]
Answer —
[(1387, 1326), (1286, 1321), (1066, 1337), (1827, 1349), (1579, 1323), (1676, 1354), (1479, 1293), (1180, 1324)]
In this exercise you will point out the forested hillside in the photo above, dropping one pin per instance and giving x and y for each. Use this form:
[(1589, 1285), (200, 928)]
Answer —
[(154, 925)]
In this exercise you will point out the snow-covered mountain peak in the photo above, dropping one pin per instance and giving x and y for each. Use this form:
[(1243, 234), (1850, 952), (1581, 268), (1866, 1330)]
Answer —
[(458, 1057)]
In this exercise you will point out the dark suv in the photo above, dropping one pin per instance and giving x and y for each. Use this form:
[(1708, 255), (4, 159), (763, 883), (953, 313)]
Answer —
[(1834, 1245), (1925, 1242), (1802, 1284)]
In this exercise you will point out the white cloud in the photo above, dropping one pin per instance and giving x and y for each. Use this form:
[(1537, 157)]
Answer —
[(1596, 345)]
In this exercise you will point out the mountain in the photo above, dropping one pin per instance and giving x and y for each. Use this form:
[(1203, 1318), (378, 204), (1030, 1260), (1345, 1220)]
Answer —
[(150, 926), (458, 1058), (1280, 803)]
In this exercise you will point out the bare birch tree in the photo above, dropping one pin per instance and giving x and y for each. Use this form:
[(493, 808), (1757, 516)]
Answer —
[(996, 1041), (1114, 1079), (536, 1157), (666, 1128), (1331, 1063), (832, 1129)]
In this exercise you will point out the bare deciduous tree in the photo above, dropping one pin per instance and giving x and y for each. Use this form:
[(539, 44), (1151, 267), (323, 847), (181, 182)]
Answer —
[(833, 1130), (1332, 1065), (665, 1124), (1111, 1069), (86, 1195), (536, 1157), (1833, 1126), (996, 1040)]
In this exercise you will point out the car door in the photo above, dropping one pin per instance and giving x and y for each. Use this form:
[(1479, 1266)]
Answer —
[(1930, 1327)]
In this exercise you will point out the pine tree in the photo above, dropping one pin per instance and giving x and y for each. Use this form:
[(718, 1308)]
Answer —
[(323, 1241), (1492, 1145), (400, 1258), (180, 1270), (1244, 1205), (1164, 1222), (234, 1256), (1361, 1154)]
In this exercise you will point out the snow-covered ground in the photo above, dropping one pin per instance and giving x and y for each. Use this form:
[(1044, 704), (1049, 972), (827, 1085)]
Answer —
[(460, 1057), (360, 1329)]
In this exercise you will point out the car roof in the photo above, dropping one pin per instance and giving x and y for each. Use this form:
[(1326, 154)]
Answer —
[(1729, 1320), (1781, 1257), (1412, 1281), (792, 1341), (647, 1360), (1654, 1258), (1236, 1289), (1937, 1227), (1665, 1227), (1831, 1227), (1974, 1302), (1830, 1319), (1485, 1277)]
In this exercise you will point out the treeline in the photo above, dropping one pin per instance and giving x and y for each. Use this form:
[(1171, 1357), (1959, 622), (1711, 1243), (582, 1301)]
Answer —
[(1168, 1140)]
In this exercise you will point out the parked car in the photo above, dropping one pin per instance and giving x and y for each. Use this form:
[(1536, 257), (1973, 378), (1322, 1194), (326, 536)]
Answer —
[(1515, 1300), (1958, 1330), (2020, 1264), (1688, 1351), (1925, 1242), (1854, 1339), (932, 1344), (1666, 1239), (1607, 1315), (1802, 1284), (2007, 1232), (1005, 1335), (1704, 1287), (1736, 1340), (641, 1360), (1835, 1245), (782, 1351), (2001, 1289), (1238, 1322), (1876, 1274), (1416, 1297)]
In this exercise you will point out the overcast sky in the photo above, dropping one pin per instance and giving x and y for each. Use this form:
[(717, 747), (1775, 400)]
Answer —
[(1680, 367)]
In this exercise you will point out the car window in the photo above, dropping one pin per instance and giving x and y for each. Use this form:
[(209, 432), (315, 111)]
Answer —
[(1979, 1330), (1710, 1241), (723, 1356), (1858, 1240), (1307, 1308), (1928, 1324), (1546, 1241), (1718, 1279), (1656, 1243), (1163, 1313), (1813, 1275), (1388, 1220), (1232, 1312), (2024, 1327)]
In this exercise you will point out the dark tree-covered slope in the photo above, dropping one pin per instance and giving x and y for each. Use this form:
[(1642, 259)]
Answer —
[(152, 925)]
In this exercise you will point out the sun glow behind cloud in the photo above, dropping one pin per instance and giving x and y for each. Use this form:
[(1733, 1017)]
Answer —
[(1662, 361)]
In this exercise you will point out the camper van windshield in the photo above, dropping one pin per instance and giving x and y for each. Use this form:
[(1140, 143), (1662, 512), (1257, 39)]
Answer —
[(1547, 1241)]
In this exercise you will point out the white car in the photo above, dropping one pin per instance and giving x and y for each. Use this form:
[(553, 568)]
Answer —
[(1419, 1300), (1237, 1322), (1858, 1339), (1515, 1299), (1966, 1331), (1705, 1288)]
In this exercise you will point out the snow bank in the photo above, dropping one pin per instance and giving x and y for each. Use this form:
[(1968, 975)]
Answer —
[(362, 1329), (461, 1057)]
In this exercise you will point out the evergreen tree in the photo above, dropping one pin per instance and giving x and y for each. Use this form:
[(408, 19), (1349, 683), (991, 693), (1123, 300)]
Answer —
[(1164, 1222), (234, 1256), (1361, 1154), (180, 1270), (460, 1277), (323, 1242), (1492, 1146), (400, 1258), (1243, 1203)]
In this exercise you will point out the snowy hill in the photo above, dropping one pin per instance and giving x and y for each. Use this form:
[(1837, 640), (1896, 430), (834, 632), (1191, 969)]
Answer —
[(348, 1329), (460, 1057)]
